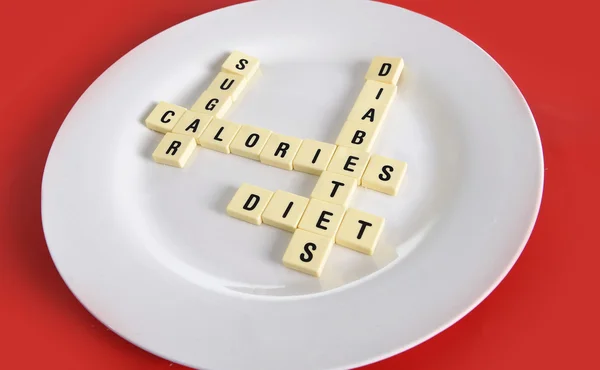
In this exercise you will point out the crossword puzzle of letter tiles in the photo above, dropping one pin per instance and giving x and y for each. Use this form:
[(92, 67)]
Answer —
[(325, 218)]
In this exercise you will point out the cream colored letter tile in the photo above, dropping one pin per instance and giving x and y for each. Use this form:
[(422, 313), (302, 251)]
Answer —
[(385, 69), (218, 135), (360, 231), (377, 93), (174, 149), (241, 64), (384, 174), (334, 188), (280, 151), (248, 203), (368, 113), (358, 135), (250, 141), (192, 124), (213, 103), (307, 252), (322, 218), (228, 84), (349, 162), (164, 117), (313, 157), (285, 210)]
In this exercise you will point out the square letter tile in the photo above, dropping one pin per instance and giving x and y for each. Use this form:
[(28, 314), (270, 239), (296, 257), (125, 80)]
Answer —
[(322, 218), (218, 135), (313, 157), (241, 64), (385, 69), (358, 135), (307, 252), (164, 117), (213, 103), (334, 188), (377, 93), (250, 141), (360, 231), (368, 113), (174, 149), (192, 124), (349, 162), (228, 84), (384, 174), (285, 210), (248, 203), (280, 151)]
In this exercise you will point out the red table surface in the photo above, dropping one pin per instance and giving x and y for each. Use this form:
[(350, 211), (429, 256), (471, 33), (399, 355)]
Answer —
[(544, 315)]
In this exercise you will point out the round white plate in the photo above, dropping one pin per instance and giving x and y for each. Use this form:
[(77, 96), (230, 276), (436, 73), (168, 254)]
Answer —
[(149, 250)]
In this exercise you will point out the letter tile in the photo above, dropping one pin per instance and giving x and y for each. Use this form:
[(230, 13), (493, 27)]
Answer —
[(360, 231), (164, 117), (249, 203), (368, 113), (250, 141), (377, 93), (313, 157), (348, 161), (385, 69), (174, 149), (358, 135), (280, 151), (228, 84), (285, 210), (384, 174), (334, 188), (213, 103), (192, 124), (307, 252), (218, 135), (322, 218), (241, 64)]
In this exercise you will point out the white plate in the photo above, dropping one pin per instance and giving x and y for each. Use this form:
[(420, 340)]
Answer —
[(149, 250)]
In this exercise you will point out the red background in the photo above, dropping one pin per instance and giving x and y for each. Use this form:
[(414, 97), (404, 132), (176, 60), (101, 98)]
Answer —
[(544, 315)]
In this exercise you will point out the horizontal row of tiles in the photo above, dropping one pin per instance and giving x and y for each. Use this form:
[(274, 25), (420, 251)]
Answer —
[(371, 171), (316, 224)]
